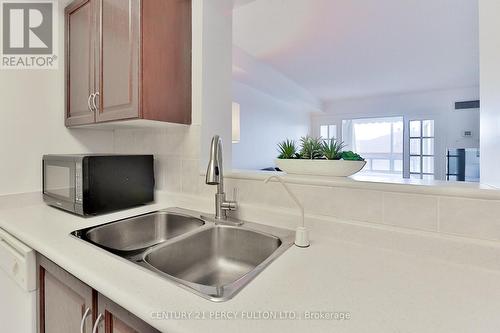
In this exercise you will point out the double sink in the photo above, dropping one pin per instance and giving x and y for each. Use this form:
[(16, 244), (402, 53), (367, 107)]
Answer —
[(211, 259)]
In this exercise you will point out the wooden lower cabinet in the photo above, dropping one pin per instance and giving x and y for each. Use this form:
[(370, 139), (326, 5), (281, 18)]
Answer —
[(67, 305), (63, 300), (115, 319)]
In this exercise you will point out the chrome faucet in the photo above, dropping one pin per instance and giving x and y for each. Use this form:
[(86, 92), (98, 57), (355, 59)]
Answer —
[(215, 176)]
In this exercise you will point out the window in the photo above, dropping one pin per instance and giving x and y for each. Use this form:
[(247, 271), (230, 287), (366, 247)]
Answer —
[(379, 141), (328, 132), (422, 149)]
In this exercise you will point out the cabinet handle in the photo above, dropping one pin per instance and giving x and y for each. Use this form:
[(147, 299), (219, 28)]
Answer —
[(82, 324), (91, 96), (96, 108), (97, 322)]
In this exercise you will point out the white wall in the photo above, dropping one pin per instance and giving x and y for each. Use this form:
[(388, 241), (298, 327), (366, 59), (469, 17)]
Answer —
[(261, 76), (438, 105), (272, 106), (32, 124), (265, 121), (216, 30), (489, 26)]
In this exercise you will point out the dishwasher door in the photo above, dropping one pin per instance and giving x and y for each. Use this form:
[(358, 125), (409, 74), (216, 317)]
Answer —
[(17, 286)]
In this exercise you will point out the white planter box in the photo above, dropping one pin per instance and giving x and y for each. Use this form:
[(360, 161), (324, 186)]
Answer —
[(332, 168)]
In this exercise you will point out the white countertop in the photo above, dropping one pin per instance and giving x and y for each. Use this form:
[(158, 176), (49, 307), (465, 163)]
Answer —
[(387, 281)]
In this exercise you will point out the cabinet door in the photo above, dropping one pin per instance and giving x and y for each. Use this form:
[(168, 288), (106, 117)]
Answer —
[(115, 319), (63, 300), (118, 51), (80, 39)]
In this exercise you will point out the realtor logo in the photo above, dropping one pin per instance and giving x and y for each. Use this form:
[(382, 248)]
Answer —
[(29, 34)]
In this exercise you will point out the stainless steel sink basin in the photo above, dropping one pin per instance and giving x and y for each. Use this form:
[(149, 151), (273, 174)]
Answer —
[(212, 260), (141, 232), (216, 257)]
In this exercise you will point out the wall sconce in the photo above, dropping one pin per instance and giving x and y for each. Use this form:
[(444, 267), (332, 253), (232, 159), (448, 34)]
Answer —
[(236, 123)]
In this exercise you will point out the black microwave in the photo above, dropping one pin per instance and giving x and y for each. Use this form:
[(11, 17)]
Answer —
[(94, 184)]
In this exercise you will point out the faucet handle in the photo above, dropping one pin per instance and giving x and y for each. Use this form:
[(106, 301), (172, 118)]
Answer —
[(230, 204)]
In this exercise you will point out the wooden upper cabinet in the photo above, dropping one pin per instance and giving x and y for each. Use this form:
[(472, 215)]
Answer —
[(136, 61), (166, 60), (80, 37), (119, 54)]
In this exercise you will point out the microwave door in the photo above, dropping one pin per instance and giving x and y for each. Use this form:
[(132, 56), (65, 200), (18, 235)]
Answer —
[(59, 181)]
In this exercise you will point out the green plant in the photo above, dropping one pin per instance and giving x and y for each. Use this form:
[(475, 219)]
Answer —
[(310, 148), (332, 149), (287, 149), (351, 156)]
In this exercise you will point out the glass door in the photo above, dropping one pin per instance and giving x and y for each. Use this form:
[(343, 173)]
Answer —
[(59, 179)]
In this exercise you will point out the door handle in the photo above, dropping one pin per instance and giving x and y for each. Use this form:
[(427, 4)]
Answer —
[(96, 108), (97, 322), (82, 323), (91, 96)]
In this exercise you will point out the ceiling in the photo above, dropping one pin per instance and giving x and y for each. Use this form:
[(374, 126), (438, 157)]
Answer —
[(338, 49)]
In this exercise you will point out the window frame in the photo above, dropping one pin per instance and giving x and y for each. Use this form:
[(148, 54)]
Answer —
[(421, 156), (330, 136)]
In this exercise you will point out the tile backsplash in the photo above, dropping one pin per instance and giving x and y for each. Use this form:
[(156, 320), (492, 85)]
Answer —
[(470, 217), (176, 150), (177, 168), (475, 218), (419, 211)]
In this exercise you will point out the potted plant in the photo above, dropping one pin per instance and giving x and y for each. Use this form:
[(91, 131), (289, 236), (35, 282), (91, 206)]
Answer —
[(332, 149), (318, 157), (287, 150)]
